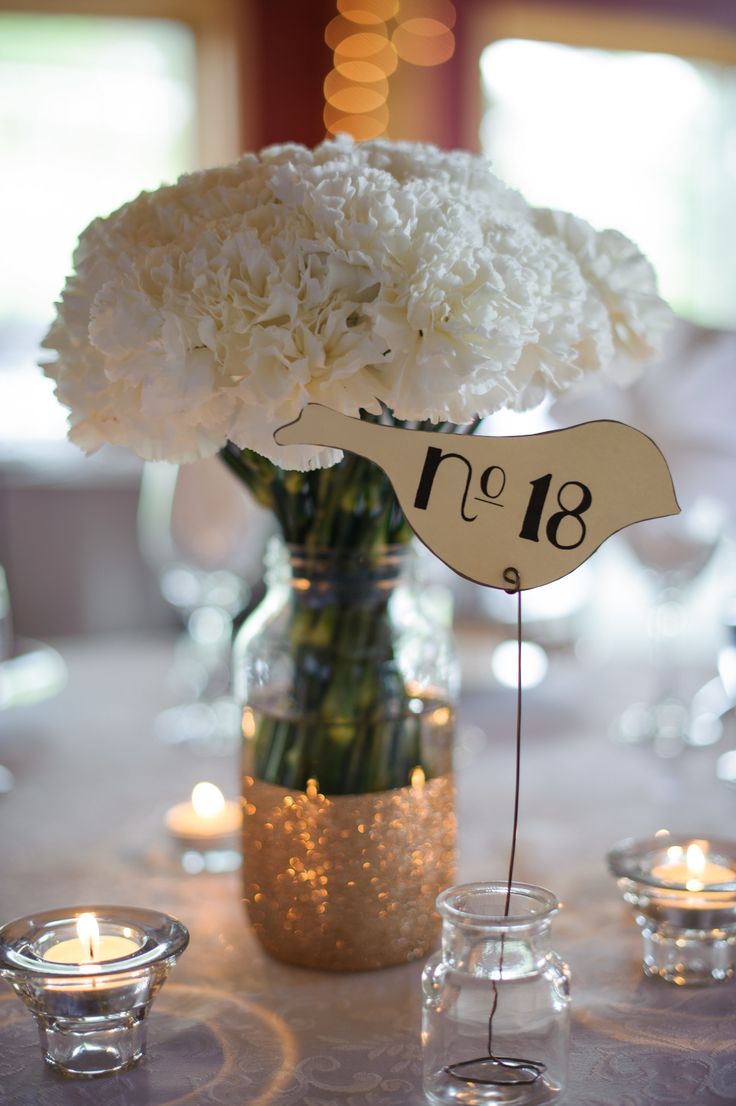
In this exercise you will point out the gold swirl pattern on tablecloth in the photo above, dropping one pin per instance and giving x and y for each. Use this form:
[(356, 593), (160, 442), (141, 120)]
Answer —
[(195, 1055)]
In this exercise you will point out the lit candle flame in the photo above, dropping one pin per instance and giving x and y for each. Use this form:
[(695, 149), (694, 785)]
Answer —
[(88, 933), (695, 866), (695, 859), (207, 800), (417, 778)]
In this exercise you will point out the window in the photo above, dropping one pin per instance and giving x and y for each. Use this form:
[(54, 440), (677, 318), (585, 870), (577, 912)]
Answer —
[(644, 142), (93, 109)]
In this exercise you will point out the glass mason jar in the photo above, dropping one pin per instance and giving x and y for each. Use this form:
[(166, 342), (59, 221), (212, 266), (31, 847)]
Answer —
[(496, 1000), (346, 678), (348, 685)]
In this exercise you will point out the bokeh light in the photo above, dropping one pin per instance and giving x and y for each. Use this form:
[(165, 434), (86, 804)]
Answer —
[(443, 11), (337, 82), (363, 17), (361, 126), (360, 70), (366, 52), (365, 44), (341, 28), (354, 99), (505, 664), (384, 58), (383, 9), (423, 42)]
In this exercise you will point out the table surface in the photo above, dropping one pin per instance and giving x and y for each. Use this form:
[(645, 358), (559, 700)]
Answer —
[(233, 1027)]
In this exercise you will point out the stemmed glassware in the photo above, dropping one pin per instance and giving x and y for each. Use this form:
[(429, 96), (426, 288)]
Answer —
[(204, 538), (674, 553), (30, 671)]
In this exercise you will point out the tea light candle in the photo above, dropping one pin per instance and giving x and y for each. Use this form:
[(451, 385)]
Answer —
[(697, 873), (206, 831), (89, 947), (684, 897), (206, 815), (90, 994)]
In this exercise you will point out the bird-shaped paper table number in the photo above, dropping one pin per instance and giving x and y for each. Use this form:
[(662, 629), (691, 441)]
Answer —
[(511, 513), (539, 504)]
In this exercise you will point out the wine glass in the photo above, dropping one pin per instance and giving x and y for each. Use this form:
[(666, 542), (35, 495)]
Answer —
[(673, 552), (30, 671), (204, 537)]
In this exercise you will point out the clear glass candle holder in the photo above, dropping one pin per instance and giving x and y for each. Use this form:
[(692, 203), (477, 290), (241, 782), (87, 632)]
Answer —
[(683, 891), (91, 1015), (206, 831), (496, 1000)]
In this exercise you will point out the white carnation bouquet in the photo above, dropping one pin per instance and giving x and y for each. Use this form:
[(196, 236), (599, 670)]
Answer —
[(389, 281)]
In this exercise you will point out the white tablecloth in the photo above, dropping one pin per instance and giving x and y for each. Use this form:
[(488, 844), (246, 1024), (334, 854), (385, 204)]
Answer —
[(85, 824)]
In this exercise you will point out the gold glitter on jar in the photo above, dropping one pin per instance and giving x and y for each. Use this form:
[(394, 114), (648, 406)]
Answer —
[(347, 882)]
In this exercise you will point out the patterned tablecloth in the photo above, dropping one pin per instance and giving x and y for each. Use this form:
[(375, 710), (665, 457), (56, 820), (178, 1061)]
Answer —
[(232, 1027)]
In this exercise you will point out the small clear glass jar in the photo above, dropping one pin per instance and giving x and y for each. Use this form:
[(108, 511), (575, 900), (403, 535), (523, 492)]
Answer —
[(496, 1000)]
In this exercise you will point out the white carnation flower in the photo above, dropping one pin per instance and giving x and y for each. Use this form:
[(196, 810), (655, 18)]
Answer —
[(621, 276), (351, 275)]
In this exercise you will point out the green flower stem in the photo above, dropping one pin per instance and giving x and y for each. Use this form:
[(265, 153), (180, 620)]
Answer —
[(350, 725)]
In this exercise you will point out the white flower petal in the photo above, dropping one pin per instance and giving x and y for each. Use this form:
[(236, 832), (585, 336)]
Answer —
[(350, 275)]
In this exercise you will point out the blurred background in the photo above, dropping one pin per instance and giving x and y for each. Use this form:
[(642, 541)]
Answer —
[(624, 113)]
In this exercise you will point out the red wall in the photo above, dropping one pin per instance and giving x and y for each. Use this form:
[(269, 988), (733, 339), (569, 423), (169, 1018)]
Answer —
[(293, 60)]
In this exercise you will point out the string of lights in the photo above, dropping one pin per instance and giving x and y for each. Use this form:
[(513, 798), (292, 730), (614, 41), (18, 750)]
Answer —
[(368, 39)]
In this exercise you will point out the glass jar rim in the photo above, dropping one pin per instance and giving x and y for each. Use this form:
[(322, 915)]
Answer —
[(545, 901), (161, 938), (317, 571), (634, 859), (298, 558), (397, 551)]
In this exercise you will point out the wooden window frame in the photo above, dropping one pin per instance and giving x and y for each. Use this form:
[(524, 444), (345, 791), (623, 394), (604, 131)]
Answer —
[(602, 29), (223, 37), (445, 104)]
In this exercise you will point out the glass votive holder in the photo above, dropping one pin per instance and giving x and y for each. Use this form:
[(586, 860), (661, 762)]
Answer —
[(90, 984), (683, 891), (205, 831), (496, 1000)]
